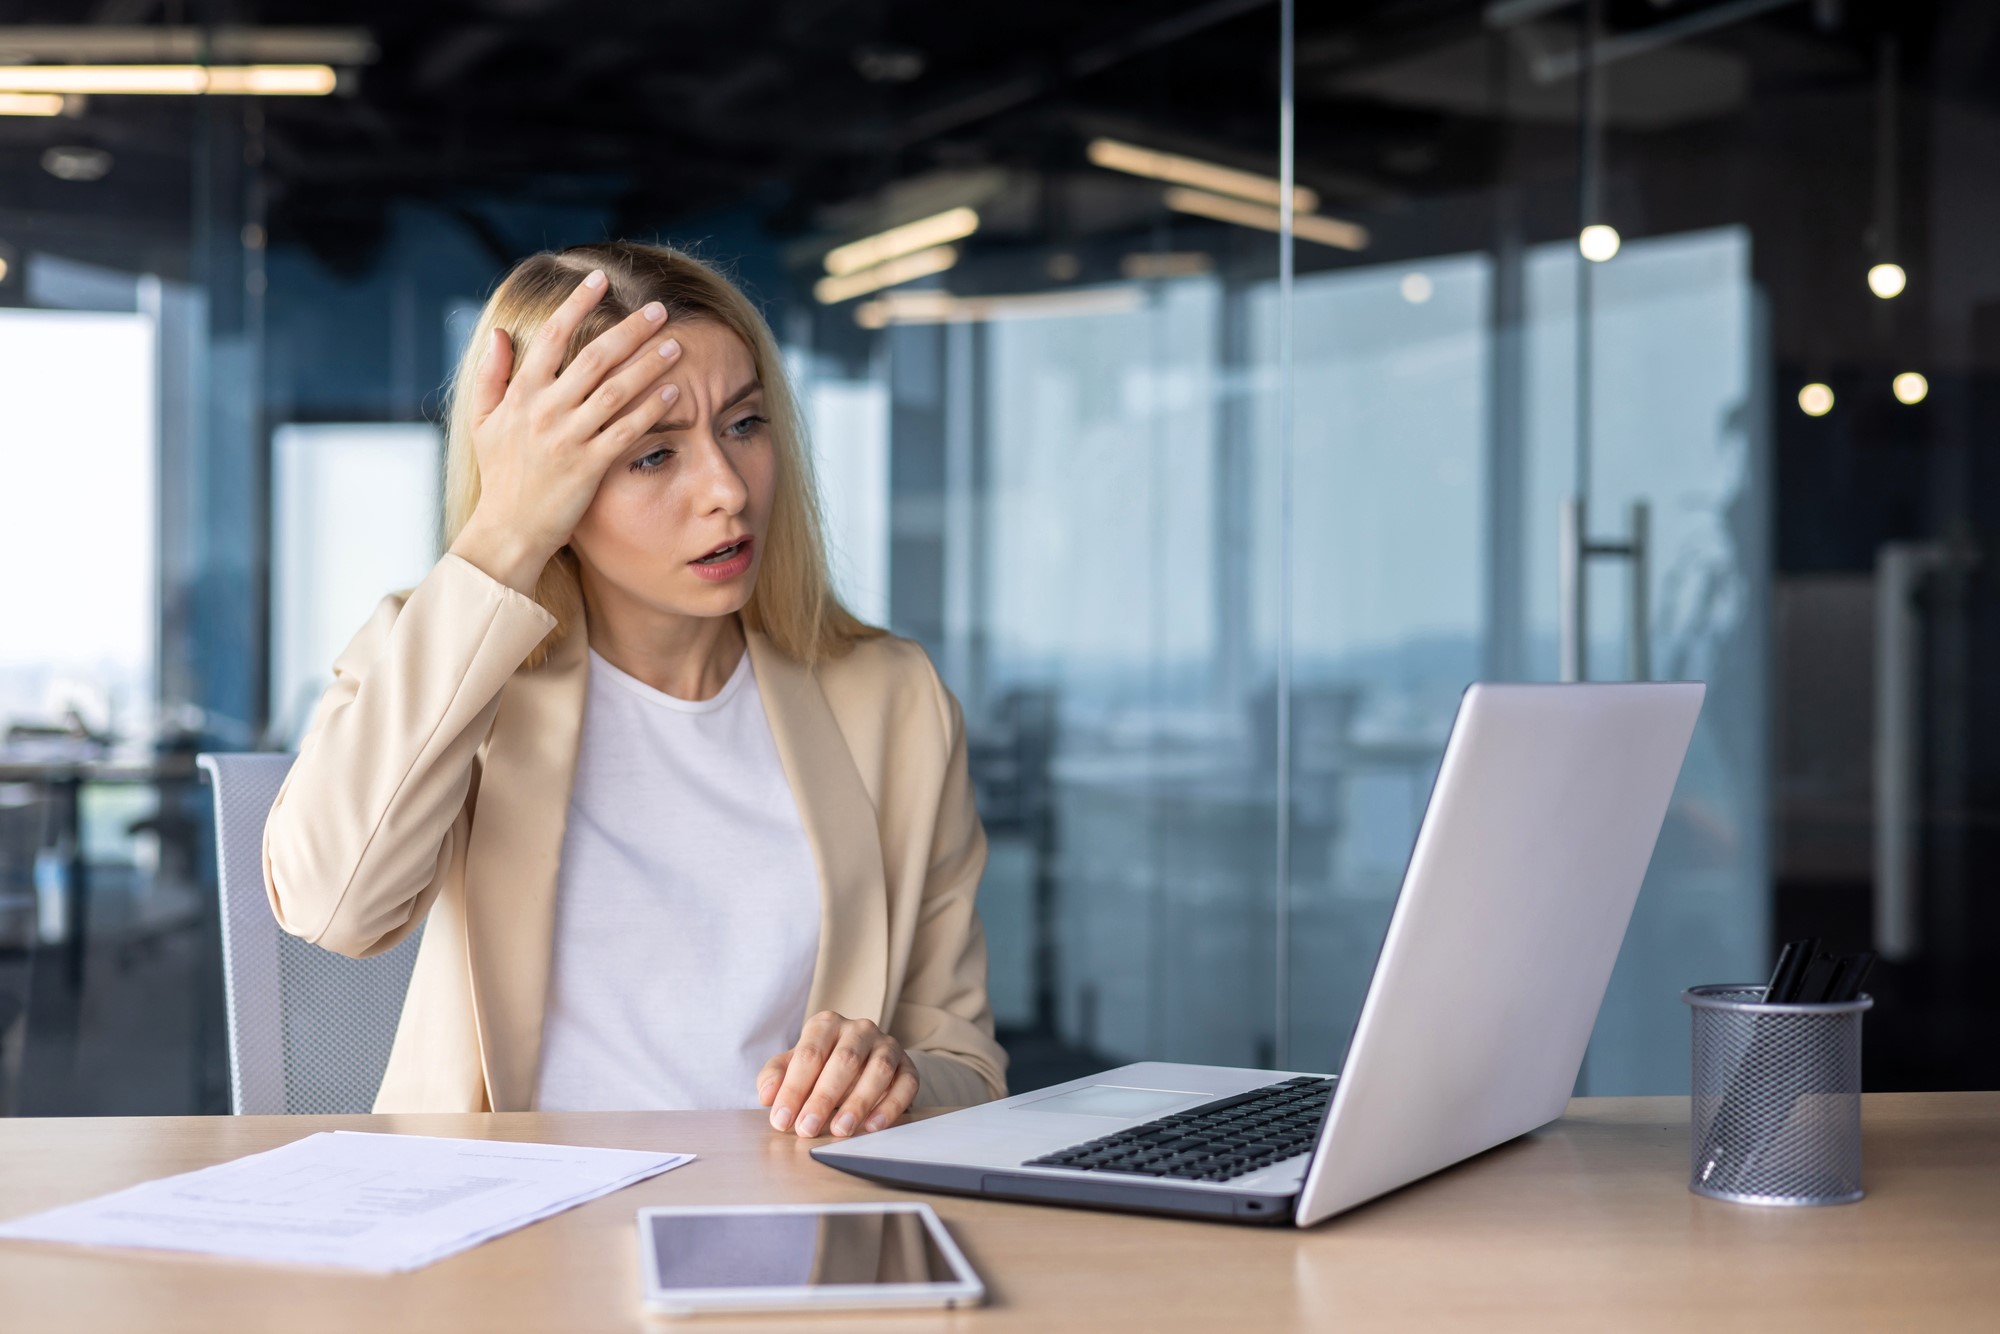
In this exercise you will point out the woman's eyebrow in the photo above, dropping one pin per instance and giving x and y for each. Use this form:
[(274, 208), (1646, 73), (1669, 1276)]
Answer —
[(739, 396), (686, 423)]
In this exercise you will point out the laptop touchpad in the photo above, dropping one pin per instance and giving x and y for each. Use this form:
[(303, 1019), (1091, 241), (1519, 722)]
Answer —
[(1108, 1100)]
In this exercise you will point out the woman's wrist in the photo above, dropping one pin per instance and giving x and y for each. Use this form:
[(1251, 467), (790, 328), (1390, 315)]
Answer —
[(504, 556)]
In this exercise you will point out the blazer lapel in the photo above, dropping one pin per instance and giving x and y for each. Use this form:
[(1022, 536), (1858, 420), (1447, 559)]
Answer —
[(851, 975), (510, 872)]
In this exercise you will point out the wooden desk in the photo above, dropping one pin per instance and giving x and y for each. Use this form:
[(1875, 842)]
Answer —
[(1586, 1225)]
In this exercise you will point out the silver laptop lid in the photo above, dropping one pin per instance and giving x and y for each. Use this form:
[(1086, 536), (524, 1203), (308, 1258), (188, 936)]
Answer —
[(1526, 867)]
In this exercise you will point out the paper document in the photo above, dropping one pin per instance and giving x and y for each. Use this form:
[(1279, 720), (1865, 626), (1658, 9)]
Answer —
[(363, 1201)]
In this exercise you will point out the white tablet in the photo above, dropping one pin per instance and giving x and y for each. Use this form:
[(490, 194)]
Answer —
[(792, 1257)]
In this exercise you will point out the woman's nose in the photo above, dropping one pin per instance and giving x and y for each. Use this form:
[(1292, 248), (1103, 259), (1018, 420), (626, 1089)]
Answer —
[(723, 485)]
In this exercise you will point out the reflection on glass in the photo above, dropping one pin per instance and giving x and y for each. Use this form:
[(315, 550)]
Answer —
[(1403, 483), (1390, 494), (1119, 574), (1679, 423), (795, 1250)]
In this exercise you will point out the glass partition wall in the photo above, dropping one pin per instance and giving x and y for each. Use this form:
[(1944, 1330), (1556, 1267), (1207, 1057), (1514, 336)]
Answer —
[(1154, 490), (1082, 503), (1667, 360), (1531, 448), (1213, 392), (1223, 541)]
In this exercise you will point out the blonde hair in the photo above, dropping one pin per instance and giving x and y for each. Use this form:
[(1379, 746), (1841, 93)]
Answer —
[(793, 603)]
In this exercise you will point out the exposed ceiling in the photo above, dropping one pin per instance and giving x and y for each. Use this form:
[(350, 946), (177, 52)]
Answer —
[(820, 114)]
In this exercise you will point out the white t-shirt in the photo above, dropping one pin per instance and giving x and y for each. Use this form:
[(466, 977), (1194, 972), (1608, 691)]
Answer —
[(687, 904)]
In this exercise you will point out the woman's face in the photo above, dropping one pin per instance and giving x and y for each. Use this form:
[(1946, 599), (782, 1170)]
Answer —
[(700, 482)]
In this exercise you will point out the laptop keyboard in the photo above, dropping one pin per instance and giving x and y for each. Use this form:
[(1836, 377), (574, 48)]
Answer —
[(1217, 1141)]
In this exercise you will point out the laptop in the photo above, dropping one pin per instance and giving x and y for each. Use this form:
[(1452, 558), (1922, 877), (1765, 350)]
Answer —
[(1538, 833)]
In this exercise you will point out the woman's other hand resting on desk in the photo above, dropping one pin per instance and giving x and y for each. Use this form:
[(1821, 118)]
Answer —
[(545, 440), (844, 1075)]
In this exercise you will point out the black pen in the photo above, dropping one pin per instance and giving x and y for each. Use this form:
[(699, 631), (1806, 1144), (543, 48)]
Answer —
[(1856, 975), (1787, 989), (1720, 1159), (1779, 973), (1814, 980), (1715, 1152), (1791, 964)]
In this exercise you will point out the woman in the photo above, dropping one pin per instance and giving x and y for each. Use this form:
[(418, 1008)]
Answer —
[(656, 794)]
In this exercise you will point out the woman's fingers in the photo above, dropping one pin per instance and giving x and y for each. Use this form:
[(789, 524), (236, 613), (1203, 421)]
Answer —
[(902, 1092), (583, 380), (816, 1042), (843, 1074), (489, 382), (634, 388), (878, 1073), (633, 423), (545, 350), (770, 1077), (837, 1077)]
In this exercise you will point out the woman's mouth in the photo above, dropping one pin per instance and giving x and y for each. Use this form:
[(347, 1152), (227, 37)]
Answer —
[(726, 561)]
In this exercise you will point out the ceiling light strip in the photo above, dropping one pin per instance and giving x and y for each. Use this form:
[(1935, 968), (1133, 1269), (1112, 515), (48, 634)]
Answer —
[(1335, 232), (30, 104), (951, 225), (170, 80), (1115, 155), (944, 308), (832, 290)]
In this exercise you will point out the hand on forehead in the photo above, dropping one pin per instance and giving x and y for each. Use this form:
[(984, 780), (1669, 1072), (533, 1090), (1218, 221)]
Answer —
[(713, 373)]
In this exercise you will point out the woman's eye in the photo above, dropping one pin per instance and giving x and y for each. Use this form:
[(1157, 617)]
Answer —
[(651, 462), (747, 426)]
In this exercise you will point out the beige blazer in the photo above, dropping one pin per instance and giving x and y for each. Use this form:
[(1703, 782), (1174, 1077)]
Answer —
[(433, 785)]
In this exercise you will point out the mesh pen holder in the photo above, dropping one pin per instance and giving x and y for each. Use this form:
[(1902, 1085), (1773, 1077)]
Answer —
[(1777, 1098)]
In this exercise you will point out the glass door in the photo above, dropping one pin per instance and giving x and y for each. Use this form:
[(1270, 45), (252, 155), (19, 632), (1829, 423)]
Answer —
[(1649, 491), (1520, 452)]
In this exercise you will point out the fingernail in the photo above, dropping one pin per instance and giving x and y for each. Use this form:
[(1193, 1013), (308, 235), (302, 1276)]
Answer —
[(809, 1124), (844, 1124), (670, 393), (596, 278), (780, 1118), (671, 348), (653, 311), (877, 1122)]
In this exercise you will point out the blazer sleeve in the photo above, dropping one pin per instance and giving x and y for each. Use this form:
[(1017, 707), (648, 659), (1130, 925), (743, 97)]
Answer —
[(376, 811), (943, 1016)]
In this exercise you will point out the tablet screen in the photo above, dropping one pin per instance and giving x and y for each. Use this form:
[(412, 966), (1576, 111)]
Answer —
[(794, 1250)]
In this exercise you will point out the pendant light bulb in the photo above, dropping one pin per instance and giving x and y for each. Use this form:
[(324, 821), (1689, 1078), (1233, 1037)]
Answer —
[(1887, 280)]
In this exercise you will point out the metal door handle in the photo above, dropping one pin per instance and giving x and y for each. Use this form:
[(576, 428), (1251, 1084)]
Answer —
[(1578, 550)]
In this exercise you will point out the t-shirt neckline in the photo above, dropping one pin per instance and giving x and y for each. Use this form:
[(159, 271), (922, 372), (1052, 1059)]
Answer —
[(600, 665)]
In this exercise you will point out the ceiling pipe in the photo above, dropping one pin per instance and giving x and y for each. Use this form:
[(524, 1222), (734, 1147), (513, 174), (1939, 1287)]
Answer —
[(1555, 66), (182, 45)]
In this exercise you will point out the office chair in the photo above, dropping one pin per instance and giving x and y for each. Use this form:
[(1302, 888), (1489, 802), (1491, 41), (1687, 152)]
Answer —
[(309, 1030)]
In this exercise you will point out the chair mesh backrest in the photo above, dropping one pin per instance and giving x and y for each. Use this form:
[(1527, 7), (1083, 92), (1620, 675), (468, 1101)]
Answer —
[(309, 1030)]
